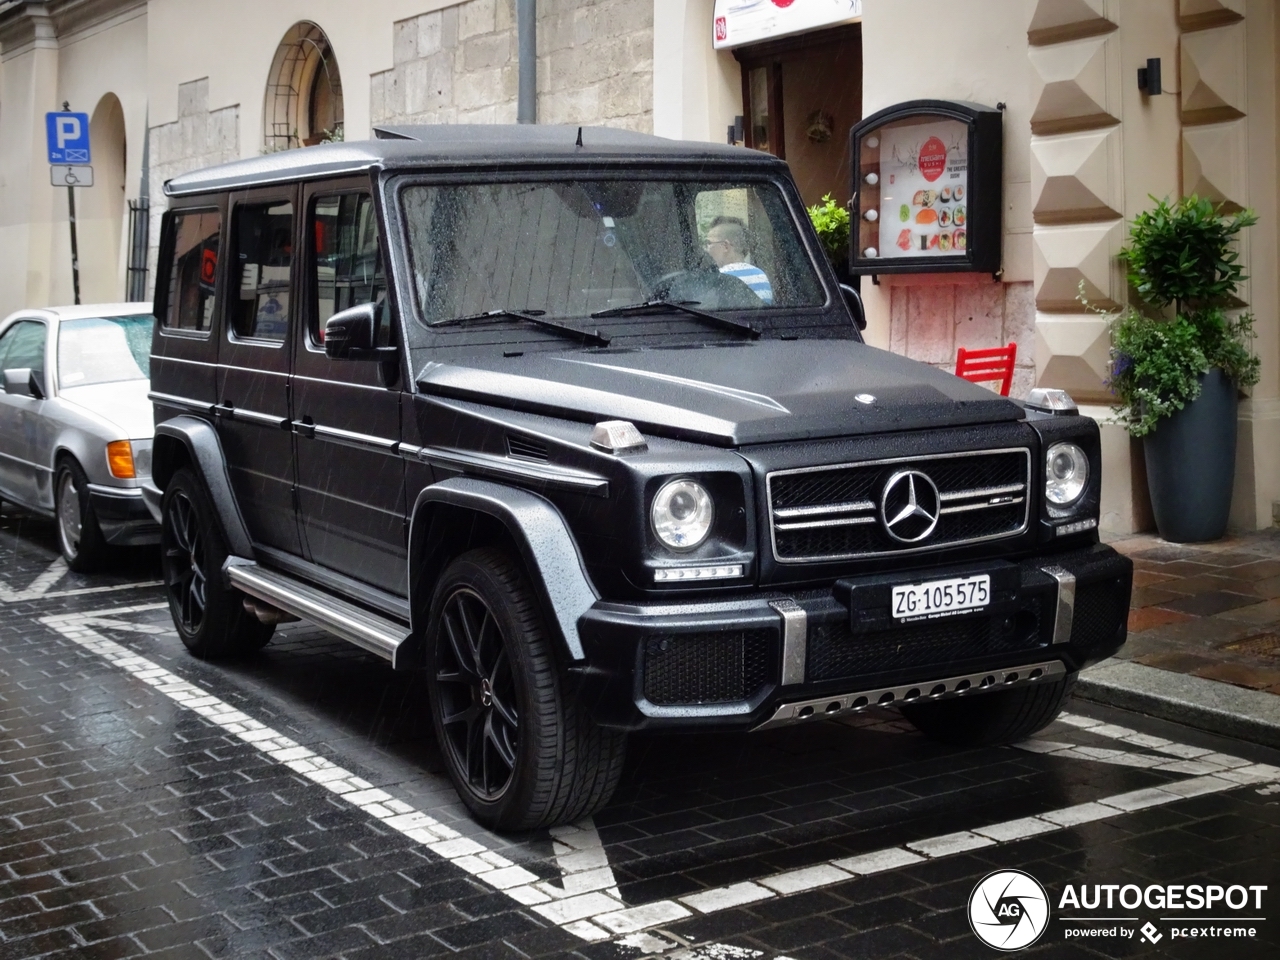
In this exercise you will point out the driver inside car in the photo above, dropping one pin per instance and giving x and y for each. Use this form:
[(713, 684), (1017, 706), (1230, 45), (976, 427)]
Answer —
[(726, 244)]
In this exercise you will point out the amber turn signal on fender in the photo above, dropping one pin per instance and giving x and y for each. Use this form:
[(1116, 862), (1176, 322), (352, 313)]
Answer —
[(120, 459)]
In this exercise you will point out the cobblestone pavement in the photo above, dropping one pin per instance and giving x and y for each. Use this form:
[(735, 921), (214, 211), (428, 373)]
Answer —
[(1211, 610), (294, 805)]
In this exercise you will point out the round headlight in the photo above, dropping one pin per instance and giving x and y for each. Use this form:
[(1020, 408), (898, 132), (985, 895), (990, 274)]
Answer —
[(1066, 473), (681, 514)]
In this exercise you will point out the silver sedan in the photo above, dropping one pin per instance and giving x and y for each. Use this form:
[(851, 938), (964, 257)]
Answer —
[(76, 425)]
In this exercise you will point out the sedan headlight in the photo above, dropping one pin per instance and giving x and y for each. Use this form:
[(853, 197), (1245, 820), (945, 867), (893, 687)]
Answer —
[(681, 514), (1066, 473)]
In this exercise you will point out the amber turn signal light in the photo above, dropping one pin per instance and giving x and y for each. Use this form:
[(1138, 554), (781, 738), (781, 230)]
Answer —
[(120, 459)]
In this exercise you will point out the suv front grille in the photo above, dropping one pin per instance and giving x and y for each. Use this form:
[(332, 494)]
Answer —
[(695, 668), (834, 513)]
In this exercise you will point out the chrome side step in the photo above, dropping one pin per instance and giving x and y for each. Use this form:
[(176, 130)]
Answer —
[(967, 685), (354, 624)]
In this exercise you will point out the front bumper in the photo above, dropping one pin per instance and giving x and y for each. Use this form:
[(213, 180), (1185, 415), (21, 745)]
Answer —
[(777, 658), (123, 516)]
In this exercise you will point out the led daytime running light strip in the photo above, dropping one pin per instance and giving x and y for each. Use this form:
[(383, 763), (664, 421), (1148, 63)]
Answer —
[(722, 572)]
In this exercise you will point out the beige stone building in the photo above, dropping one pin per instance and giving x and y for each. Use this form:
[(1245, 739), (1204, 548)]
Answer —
[(172, 85)]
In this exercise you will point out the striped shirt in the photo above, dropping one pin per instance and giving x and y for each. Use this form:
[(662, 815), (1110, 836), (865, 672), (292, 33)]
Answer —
[(753, 277)]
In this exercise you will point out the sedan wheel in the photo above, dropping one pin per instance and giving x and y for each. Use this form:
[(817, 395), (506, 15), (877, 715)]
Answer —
[(79, 536)]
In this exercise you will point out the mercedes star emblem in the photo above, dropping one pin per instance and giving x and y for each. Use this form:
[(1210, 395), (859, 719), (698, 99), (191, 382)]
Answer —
[(910, 506)]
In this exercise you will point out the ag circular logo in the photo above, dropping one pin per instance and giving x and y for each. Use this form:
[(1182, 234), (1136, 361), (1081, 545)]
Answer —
[(1008, 910)]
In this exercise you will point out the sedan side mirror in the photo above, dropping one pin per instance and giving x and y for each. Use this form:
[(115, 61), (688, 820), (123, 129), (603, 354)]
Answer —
[(23, 382), (853, 300), (352, 335)]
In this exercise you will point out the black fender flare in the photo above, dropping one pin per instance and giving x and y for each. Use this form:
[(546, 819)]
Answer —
[(546, 546), (204, 451)]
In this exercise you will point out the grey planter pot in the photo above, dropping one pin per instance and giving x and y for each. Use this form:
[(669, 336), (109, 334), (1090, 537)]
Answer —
[(1191, 464)]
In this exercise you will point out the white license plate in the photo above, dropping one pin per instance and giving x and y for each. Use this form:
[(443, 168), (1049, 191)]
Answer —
[(940, 598)]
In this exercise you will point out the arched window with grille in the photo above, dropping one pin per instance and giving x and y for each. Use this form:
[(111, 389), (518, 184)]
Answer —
[(303, 104)]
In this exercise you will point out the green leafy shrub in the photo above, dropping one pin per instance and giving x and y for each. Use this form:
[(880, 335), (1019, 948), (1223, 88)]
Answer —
[(1180, 259), (831, 220)]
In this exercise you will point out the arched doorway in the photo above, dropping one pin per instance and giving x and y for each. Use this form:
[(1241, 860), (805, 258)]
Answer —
[(100, 208), (303, 104)]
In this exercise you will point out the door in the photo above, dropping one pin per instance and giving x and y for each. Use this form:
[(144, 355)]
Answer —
[(21, 346), (351, 500), (253, 410)]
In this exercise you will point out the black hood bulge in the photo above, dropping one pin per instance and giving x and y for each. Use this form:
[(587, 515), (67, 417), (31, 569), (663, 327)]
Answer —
[(761, 392)]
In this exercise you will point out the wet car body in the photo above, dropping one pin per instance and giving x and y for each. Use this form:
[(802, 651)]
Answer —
[(64, 419), (352, 458)]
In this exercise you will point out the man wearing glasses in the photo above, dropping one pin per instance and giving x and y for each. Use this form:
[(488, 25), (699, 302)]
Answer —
[(727, 245)]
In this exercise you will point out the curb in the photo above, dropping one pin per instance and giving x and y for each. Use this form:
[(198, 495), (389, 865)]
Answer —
[(1192, 701)]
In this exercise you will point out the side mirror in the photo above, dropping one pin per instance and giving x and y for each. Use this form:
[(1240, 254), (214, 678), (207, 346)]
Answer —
[(23, 382), (853, 300), (352, 335)]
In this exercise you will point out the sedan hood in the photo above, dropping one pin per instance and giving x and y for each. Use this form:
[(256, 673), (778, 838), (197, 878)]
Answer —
[(760, 392), (124, 404)]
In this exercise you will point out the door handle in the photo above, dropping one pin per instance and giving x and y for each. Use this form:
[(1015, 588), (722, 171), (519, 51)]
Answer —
[(306, 428), (223, 409)]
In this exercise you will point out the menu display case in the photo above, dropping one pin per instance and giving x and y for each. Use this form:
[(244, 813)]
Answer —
[(927, 189)]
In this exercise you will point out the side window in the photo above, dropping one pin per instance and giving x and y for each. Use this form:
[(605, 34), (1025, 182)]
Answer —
[(23, 346), (194, 270), (259, 296), (348, 260)]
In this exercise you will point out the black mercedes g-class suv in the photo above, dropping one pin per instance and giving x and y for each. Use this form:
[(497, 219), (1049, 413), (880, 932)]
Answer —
[(581, 423)]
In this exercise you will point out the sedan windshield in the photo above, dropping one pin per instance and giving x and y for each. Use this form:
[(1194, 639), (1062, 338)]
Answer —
[(104, 350), (570, 249)]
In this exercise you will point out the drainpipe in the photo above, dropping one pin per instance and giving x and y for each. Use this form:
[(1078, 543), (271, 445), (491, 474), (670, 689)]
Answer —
[(527, 37)]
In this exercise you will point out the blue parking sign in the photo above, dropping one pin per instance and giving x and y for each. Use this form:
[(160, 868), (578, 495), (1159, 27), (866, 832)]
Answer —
[(68, 137)]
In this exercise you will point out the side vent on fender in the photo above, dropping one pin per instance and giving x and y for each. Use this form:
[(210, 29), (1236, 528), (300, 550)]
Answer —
[(526, 448)]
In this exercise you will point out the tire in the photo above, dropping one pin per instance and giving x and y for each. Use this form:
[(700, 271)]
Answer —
[(210, 619), (519, 747), (79, 536), (990, 719)]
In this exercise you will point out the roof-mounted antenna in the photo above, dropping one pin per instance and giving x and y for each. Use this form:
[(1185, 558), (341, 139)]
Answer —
[(578, 143)]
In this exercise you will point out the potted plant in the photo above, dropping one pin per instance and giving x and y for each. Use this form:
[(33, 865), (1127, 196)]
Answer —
[(1179, 359), (831, 221)]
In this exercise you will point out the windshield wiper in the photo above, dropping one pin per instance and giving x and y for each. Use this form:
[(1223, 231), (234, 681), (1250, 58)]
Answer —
[(530, 316), (683, 306)]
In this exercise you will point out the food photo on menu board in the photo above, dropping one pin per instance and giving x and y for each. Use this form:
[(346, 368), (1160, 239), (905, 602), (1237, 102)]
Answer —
[(924, 176)]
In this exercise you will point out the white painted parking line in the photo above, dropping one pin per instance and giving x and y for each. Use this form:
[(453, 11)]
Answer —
[(586, 902), (41, 587)]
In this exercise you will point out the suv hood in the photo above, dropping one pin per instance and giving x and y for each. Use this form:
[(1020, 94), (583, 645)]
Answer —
[(729, 395)]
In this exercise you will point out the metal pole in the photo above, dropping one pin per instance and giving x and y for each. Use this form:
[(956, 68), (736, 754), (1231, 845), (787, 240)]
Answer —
[(75, 249), (75, 246), (527, 33)]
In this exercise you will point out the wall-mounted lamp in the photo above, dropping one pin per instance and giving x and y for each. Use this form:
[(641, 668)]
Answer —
[(736, 133), (1149, 77)]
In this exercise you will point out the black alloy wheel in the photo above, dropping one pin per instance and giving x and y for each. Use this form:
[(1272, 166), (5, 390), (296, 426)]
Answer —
[(478, 703), (519, 747), (210, 618), (184, 573)]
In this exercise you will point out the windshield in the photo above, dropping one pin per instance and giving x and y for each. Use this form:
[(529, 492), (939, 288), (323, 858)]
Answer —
[(569, 249), (104, 350)]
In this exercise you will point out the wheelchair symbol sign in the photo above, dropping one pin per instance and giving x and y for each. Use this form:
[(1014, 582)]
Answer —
[(66, 175), (68, 136)]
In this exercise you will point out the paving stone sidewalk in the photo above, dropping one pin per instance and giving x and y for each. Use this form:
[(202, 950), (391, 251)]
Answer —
[(1210, 610)]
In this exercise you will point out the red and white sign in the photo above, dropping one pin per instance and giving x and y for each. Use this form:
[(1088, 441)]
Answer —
[(933, 159), (748, 21)]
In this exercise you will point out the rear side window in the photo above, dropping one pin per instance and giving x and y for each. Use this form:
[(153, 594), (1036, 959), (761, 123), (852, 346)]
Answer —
[(348, 259), (194, 270), (260, 281)]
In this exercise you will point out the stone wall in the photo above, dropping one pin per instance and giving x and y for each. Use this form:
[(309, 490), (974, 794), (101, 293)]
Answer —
[(198, 138), (459, 65), (929, 322)]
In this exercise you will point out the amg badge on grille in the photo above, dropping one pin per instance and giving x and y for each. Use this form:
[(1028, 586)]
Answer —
[(910, 506)]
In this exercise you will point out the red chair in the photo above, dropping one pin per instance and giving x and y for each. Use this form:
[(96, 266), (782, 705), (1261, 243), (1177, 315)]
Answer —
[(982, 366)]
